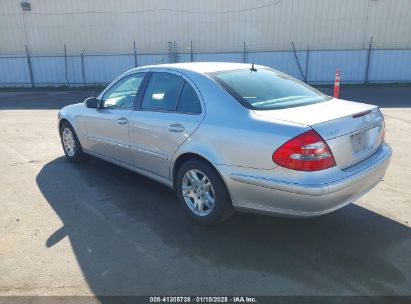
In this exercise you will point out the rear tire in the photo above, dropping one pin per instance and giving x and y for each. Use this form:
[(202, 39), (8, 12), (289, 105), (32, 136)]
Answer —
[(203, 193), (71, 144)]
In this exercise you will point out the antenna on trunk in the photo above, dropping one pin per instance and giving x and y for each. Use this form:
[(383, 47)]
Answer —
[(253, 68)]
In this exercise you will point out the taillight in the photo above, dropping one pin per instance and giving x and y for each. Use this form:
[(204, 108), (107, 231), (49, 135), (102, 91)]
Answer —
[(305, 152)]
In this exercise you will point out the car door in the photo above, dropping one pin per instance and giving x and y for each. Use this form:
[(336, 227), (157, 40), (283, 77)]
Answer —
[(107, 126), (168, 112)]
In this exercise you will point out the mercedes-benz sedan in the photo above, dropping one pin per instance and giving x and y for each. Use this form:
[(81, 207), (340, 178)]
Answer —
[(230, 136)]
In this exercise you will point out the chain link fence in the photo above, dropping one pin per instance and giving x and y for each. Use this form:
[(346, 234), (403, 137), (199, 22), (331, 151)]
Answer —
[(369, 65)]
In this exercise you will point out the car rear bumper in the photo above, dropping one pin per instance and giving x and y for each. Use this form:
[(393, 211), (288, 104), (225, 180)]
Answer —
[(261, 194)]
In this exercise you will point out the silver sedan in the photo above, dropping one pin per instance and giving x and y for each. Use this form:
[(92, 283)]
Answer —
[(230, 136)]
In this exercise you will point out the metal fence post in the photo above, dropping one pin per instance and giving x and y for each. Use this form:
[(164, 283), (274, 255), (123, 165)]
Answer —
[(135, 54), (172, 52), (244, 53), (191, 51), (298, 62), (367, 70), (30, 68), (307, 59), (173, 56), (175, 49), (83, 74), (65, 64)]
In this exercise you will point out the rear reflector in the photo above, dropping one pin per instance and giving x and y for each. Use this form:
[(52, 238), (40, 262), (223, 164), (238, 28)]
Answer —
[(305, 152)]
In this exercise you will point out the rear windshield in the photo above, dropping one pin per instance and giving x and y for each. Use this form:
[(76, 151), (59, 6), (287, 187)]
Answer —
[(266, 89)]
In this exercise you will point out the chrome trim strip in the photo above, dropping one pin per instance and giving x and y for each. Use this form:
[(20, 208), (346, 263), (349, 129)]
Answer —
[(144, 151), (150, 153), (147, 174), (105, 141), (268, 210), (281, 185)]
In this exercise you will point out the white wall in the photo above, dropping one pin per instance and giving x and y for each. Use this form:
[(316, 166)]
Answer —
[(103, 26)]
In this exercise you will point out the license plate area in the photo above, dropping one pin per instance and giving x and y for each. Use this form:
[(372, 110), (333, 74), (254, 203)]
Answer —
[(360, 141)]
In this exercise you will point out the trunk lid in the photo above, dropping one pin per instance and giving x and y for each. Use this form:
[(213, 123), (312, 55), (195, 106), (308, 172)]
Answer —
[(353, 131)]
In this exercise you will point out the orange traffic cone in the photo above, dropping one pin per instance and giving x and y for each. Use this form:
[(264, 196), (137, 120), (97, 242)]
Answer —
[(337, 84)]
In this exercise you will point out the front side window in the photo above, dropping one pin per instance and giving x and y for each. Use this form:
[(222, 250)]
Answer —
[(123, 93), (162, 92), (265, 89)]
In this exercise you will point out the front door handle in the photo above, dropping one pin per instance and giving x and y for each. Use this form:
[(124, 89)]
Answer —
[(122, 121), (176, 128)]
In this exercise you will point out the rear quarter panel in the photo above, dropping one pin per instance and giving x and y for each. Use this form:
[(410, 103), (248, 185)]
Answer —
[(232, 135)]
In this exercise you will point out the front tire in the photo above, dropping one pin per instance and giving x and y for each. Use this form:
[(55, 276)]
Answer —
[(202, 193), (70, 143)]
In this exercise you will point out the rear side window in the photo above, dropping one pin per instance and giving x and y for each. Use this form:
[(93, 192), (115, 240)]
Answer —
[(162, 92), (265, 89), (188, 102)]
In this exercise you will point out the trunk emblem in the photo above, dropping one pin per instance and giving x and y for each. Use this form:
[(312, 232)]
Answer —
[(333, 133), (365, 121)]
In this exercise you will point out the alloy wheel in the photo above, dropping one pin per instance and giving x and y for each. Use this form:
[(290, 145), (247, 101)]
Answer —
[(68, 142), (198, 192)]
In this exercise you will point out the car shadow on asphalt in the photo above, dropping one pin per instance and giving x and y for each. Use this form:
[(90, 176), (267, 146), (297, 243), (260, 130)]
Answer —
[(130, 237)]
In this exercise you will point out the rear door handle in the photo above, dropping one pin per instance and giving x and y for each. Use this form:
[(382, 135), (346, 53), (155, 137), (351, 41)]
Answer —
[(122, 121), (176, 128)]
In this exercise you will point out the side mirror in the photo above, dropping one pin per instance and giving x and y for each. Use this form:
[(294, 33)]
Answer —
[(92, 102)]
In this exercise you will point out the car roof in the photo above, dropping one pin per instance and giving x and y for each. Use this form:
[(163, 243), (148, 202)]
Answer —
[(203, 67)]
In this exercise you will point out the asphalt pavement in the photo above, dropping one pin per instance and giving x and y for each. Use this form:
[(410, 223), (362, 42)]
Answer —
[(97, 229)]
